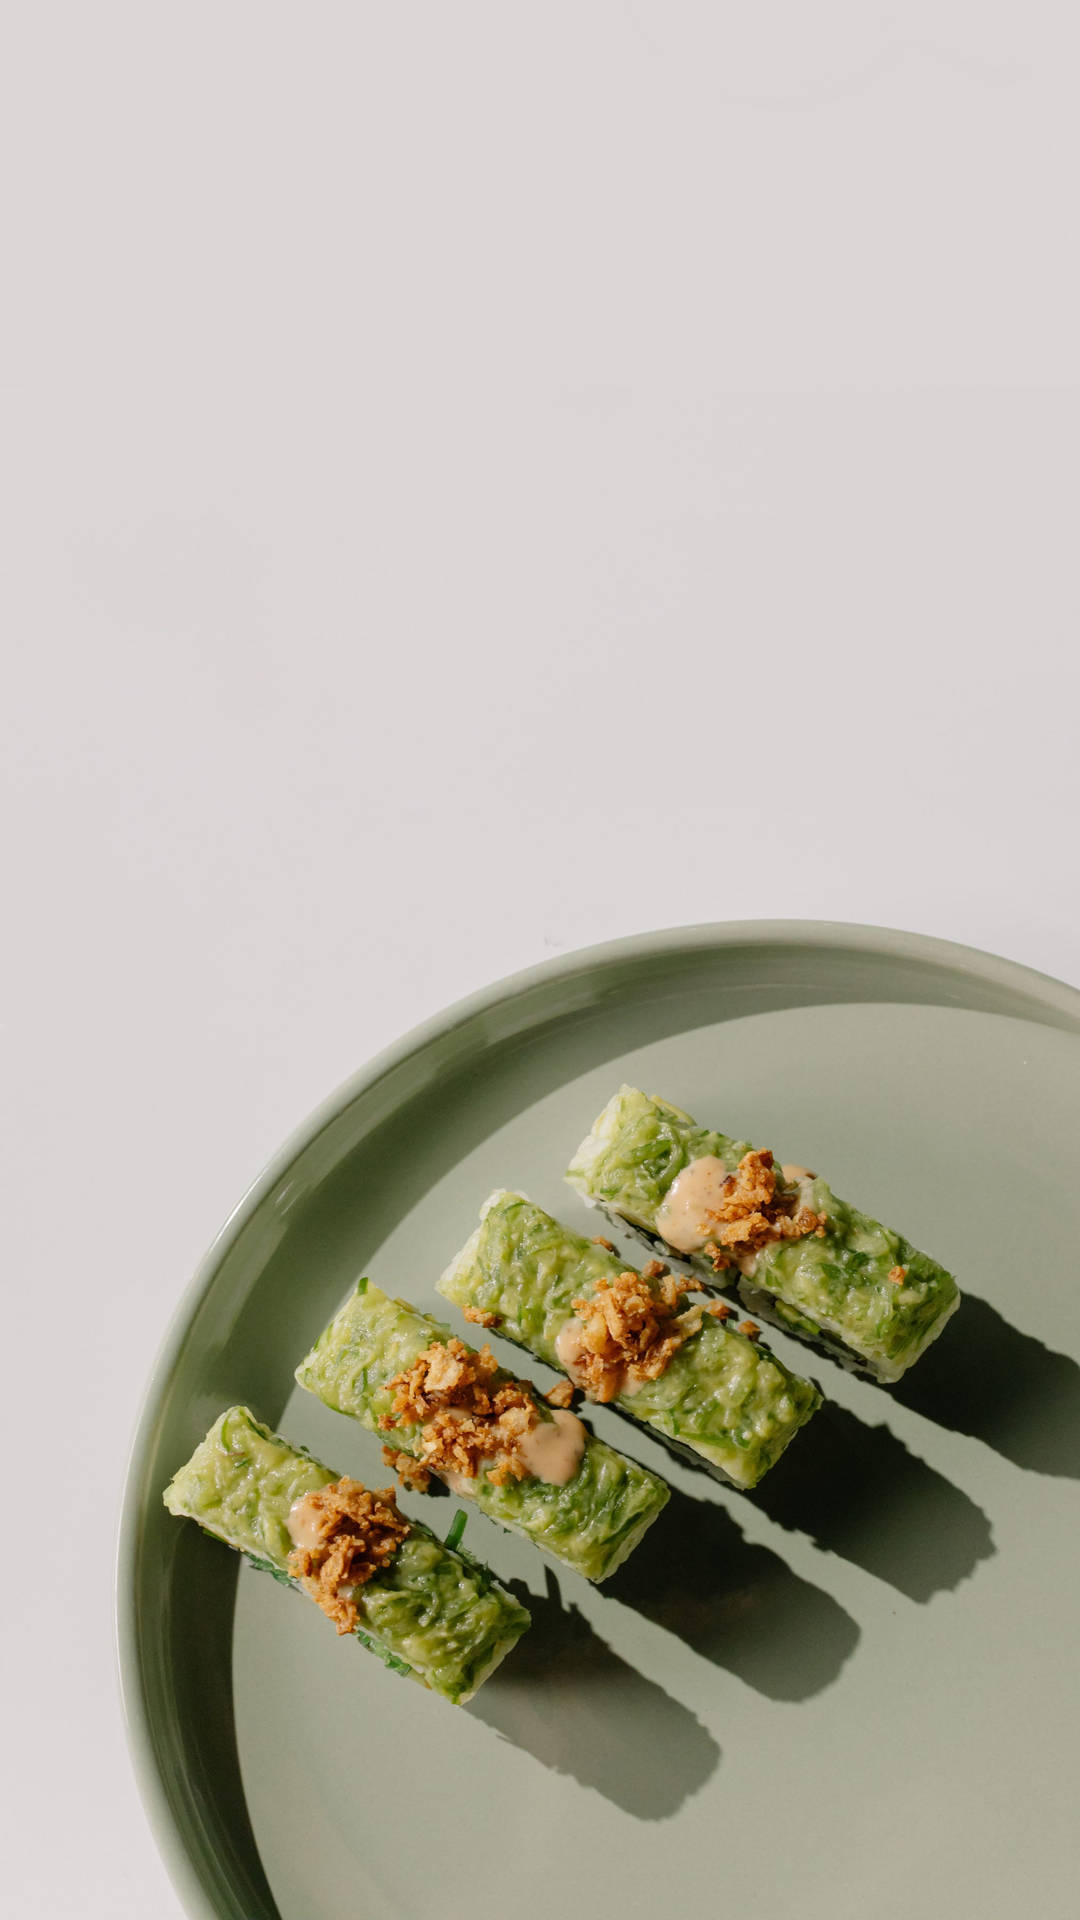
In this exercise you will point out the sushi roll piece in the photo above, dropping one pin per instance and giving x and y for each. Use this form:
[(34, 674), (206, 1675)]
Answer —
[(427, 1611), (444, 1408), (709, 1390), (799, 1256)]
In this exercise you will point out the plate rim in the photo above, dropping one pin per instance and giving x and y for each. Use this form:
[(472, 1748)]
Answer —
[(1040, 988)]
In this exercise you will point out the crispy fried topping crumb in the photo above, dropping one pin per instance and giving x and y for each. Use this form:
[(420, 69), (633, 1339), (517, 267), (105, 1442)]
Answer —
[(750, 1328), (357, 1534), (755, 1210), (468, 1420), (561, 1394), (479, 1318), (411, 1473), (630, 1328), (655, 1270), (599, 1241), (898, 1275), (448, 1373), (719, 1310)]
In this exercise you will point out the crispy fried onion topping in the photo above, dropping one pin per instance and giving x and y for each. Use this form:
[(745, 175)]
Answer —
[(561, 1394), (629, 1330), (754, 1209), (468, 1421), (411, 1473), (479, 1317), (356, 1534)]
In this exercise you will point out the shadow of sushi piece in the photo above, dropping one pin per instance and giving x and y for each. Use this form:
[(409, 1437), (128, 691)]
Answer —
[(858, 1491), (1012, 1392), (568, 1699), (737, 1604)]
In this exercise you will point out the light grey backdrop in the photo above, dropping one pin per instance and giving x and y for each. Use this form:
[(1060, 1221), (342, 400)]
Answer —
[(477, 480)]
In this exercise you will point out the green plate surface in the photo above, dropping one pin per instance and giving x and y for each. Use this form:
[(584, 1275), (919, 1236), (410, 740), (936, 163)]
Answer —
[(849, 1694)]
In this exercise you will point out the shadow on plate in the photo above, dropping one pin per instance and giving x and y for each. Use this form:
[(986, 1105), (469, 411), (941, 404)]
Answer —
[(565, 1697), (858, 1492), (1020, 1397), (737, 1604)]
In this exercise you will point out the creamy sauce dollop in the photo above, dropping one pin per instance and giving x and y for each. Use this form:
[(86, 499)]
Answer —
[(684, 1220), (553, 1448), (569, 1347), (303, 1523)]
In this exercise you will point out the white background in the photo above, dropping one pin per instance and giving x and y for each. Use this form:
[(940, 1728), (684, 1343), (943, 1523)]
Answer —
[(476, 480)]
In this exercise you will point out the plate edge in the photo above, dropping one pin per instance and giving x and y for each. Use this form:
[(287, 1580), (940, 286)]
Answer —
[(1041, 989)]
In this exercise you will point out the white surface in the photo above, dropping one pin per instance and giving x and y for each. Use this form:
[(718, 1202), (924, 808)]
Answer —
[(477, 480)]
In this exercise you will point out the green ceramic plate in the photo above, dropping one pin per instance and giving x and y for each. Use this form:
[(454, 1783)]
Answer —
[(850, 1694)]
